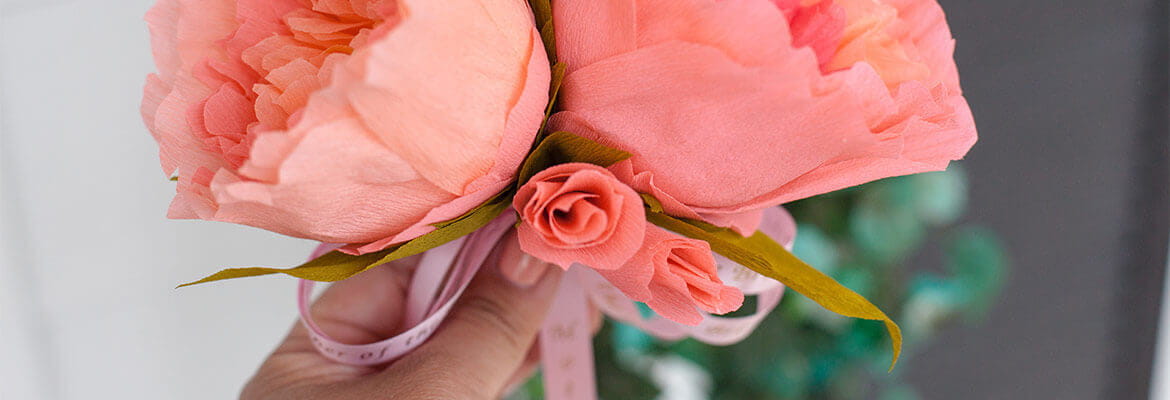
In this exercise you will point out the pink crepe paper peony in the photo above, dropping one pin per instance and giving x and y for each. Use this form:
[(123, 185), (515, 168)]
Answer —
[(345, 121), (733, 106), (579, 213), (674, 275)]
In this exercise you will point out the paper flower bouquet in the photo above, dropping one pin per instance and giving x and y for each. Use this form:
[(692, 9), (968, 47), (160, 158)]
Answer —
[(643, 146)]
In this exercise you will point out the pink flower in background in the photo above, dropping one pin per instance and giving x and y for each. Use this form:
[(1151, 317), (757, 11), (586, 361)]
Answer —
[(579, 213), (733, 106), (674, 275), (345, 121)]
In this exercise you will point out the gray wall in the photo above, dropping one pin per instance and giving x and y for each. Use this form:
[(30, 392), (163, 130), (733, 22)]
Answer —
[(1071, 171)]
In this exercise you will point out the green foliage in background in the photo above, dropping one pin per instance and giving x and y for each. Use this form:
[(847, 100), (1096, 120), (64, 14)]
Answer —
[(865, 237)]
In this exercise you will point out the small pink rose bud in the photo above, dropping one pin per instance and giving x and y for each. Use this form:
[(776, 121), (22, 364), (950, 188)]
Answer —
[(579, 213)]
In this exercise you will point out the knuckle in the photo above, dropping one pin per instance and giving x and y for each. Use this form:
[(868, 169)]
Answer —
[(492, 315)]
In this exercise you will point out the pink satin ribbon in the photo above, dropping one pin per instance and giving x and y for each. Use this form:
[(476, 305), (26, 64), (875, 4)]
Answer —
[(566, 342), (427, 304), (566, 346)]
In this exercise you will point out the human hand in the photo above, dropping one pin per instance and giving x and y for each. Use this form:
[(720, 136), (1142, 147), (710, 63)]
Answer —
[(484, 347)]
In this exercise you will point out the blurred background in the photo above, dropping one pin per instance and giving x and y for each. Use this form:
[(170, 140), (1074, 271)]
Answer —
[(1033, 269)]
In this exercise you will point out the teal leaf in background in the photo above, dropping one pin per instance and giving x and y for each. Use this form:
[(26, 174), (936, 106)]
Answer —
[(693, 350), (932, 301), (941, 197), (644, 310), (885, 223), (627, 338), (976, 258), (815, 248), (789, 378)]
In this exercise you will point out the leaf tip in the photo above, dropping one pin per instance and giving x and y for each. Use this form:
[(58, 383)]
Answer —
[(192, 283), (895, 342)]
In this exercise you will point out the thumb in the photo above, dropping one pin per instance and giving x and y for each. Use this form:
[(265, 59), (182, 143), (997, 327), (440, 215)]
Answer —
[(475, 353)]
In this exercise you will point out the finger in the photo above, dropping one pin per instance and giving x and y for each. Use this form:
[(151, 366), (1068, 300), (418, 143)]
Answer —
[(487, 336), (363, 309), (527, 368), (532, 360)]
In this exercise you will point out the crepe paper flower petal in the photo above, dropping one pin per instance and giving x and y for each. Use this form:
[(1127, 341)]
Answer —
[(764, 101), (343, 121), (579, 213), (676, 277)]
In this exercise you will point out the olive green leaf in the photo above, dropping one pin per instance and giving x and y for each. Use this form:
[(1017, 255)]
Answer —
[(760, 253), (565, 147), (335, 266), (542, 10)]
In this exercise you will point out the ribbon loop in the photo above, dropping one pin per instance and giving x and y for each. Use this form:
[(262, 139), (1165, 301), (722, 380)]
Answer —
[(458, 261), (565, 338)]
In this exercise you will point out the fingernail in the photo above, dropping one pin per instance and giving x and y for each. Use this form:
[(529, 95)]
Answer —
[(524, 272)]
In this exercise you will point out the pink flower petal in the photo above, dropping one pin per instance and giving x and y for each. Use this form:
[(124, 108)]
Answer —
[(305, 148), (579, 213), (676, 277), (732, 95)]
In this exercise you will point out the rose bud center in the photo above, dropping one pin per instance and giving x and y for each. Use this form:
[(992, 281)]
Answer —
[(577, 218)]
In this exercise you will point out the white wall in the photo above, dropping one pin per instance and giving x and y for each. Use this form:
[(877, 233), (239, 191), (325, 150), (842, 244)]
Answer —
[(1160, 385), (88, 263)]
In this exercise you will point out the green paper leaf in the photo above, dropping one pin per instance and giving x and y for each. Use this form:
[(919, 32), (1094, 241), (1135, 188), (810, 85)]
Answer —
[(565, 147), (335, 266), (762, 254), (652, 203), (550, 42), (556, 148), (542, 10), (554, 88)]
